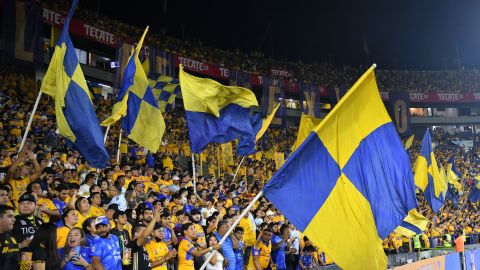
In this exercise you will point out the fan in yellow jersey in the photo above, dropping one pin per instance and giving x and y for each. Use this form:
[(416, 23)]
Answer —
[(186, 249), (260, 257), (45, 206), (19, 176), (158, 250)]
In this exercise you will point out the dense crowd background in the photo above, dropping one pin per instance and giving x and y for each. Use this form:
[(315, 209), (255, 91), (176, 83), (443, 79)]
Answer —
[(56, 212), (49, 183), (327, 74)]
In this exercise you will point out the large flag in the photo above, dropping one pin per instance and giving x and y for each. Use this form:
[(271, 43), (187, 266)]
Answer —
[(427, 176), (76, 118), (142, 120), (307, 124), (217, 113), (261, 125), (165, 89), (349, 184), (414, 223)]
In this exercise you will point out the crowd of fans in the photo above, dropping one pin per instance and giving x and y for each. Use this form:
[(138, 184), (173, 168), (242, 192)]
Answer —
[(56, 212), (142, 212), (449, 81)]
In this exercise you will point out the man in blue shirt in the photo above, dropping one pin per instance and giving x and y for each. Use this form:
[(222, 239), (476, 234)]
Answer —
[(59, 202), (228, 246), (105, 249), (280, 243), (238, 234)]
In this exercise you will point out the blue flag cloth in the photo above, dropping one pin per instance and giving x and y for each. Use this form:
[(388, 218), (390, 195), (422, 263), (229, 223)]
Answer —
[(76, 118)]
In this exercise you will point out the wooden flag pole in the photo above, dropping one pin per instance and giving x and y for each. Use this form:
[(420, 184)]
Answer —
[(30, 120), (234, 225), (119, 144), (194, 176), (238, 168)]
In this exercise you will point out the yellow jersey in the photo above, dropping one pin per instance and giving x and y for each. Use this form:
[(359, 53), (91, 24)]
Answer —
[(49, 205), (157, 251), (185, 257), (19, 187), (262, 252)]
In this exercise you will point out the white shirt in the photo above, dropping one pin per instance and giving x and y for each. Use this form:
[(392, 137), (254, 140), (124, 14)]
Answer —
[(206, 214), (84, 191), (218, 265), (120, 201)]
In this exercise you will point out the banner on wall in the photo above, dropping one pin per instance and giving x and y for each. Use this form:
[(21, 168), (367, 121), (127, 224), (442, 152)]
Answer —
[(274, 93)]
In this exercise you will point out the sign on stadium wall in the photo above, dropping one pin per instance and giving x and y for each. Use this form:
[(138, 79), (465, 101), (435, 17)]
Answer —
[(436, 97), (80, 28)]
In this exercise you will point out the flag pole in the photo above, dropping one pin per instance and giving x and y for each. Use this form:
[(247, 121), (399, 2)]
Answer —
[(194, 177), (119, 144), (234, 225), (104, 141), (238, 168), (30, 120)]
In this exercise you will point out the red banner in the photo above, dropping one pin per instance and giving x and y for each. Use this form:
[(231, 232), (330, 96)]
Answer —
[(437, 97), (80, 28), (202, 67)]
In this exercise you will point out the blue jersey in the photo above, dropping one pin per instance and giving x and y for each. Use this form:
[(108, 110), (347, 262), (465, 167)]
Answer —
[(239, 256), (227, 251), (108, 250), (168, 237), (278, 255), (86, 254), (306, 260), (89, 239), (60, 206)]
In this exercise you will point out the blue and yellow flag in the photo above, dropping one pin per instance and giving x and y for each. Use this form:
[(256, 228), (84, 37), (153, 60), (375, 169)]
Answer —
[(165, 89), (349, 184), (307, 124), (217, 113), (142, 120), (76, 118), (427, 176), (414, 223), (452, 174)]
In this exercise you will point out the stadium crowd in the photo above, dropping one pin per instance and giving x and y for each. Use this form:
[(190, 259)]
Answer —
[(326, 74), (56, 212)]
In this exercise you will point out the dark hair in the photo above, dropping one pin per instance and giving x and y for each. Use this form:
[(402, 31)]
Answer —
[(77, 203), (46, 238), (185, 227), (221, 223), (283, 227), (62, 186), (65, 214), (4, 209), (238, 229), (86, 224), (3, 187)]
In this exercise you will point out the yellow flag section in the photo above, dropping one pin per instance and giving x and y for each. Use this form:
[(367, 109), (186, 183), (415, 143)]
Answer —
[(409, 142), (307, 124), (414, 223), (266, 123), (136, 105), (350, 183)]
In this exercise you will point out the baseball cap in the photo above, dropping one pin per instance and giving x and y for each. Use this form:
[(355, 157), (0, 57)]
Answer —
[(102, 220), (27, 197)]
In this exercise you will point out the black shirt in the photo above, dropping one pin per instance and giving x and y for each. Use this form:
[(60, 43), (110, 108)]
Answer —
[(139, 257), (9, 252), (25, 227), (123, 238)]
